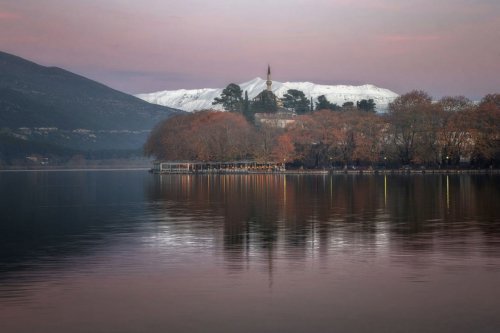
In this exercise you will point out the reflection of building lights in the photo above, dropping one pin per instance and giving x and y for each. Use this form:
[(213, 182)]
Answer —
[(331, 191), (284, 191), (447, 191), (385, 190)]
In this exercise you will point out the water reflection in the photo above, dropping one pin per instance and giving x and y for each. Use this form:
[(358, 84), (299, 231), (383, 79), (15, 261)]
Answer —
[(53, 222), (301, 216), (414, 220), (293, 247), (54, 215)]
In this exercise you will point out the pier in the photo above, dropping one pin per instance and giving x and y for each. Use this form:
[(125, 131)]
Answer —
[(184, 167)]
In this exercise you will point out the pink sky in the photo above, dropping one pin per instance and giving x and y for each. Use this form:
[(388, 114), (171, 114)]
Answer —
[(446, 47)]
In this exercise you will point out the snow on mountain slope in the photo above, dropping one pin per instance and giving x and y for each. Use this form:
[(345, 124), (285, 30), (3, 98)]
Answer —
[(199, 99)]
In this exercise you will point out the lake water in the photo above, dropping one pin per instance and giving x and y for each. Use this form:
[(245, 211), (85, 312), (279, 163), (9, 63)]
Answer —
[(128, 251)]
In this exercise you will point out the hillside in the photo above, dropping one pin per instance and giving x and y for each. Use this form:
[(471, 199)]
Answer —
[(52, 106), (198, 99)]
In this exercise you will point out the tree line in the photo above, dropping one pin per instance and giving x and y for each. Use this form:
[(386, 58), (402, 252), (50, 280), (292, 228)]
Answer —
[(233, 99), (415, 131)]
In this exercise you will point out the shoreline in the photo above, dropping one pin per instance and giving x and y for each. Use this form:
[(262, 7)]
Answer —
[(63, 169), (285, 172), (342, 172), (425, 171)]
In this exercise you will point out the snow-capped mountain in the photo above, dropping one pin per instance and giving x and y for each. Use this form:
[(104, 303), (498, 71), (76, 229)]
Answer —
[(199, 99)]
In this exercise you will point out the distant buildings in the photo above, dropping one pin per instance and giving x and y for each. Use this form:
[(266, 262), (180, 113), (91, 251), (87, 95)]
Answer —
[(279, 119), (274, 115)]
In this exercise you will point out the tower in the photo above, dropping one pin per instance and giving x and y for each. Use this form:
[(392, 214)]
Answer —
[(269, 82)]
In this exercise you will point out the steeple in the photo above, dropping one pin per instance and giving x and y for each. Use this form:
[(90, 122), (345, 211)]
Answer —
[(269, 82)]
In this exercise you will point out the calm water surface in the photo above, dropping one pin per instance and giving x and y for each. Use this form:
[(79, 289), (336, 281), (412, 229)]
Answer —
[(127, 251)]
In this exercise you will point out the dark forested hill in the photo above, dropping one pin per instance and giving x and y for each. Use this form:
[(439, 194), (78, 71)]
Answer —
[(57, 107)]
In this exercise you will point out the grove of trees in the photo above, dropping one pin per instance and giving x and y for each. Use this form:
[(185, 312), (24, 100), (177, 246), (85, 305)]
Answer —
[(232, 100), (415, 131)]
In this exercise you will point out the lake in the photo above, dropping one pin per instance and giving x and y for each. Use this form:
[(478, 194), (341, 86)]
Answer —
[(128, 251)]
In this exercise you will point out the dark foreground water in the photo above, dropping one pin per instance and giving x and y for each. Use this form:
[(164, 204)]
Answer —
[(127, 251)]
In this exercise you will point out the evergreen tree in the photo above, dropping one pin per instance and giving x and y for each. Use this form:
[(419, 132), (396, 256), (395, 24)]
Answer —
[(246, 103), (247, 112), (366, 105), (230, 98), (324, 104), (348, 106), (296, 100)]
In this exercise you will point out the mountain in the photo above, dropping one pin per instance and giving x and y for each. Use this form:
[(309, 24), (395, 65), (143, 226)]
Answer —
[(198, 99), (49, 106)]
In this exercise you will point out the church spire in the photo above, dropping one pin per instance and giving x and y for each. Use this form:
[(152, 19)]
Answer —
[(269, 82)]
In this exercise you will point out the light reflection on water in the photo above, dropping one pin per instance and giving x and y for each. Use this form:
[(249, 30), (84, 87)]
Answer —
[(129, 251)]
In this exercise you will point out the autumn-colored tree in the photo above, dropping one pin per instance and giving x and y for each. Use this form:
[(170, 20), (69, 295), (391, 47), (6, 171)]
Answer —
[(313, 137), (326, 137), (301, 136), (428, 150), (454, 135), (455, 104), (344, 132), (485, 130), (357, 137), (202, 136), (491, 100), (415, 130), (169, 139), (265, 142), (407, 118), (368, 129), (284, 149)]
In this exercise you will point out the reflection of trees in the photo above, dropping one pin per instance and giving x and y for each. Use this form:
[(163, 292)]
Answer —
[(248, 205), (53, 217), (264, 214), (449, 213)]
